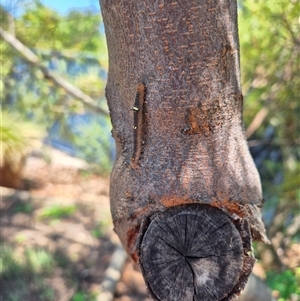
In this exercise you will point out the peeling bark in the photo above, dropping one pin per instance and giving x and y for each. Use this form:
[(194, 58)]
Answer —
[(193, 144)]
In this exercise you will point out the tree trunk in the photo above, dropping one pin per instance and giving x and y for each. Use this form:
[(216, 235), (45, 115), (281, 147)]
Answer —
[(185, 194)]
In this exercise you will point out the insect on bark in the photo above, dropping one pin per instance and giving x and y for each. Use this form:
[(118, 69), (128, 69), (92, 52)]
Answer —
[(138, 124)]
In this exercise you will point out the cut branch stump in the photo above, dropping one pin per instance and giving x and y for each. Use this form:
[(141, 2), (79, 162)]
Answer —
[(195, 252)]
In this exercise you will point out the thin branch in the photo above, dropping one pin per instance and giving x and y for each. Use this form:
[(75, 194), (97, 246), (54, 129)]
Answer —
[(274, 142), (33, 59), (112, 274), (11, 24), (257, 121), (287, 26)]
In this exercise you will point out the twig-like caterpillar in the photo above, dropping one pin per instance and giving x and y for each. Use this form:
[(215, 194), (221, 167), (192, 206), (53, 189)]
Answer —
[(138, 124)]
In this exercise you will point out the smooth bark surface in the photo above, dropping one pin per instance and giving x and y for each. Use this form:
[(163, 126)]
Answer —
[(192, 142)]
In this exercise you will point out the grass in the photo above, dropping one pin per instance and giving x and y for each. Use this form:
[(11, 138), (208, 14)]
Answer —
[(81, 296), (10, 266), (16, 139), (26, 263), (14, 143), (57, 212), (22, 273), (99, 230), (20, 238)]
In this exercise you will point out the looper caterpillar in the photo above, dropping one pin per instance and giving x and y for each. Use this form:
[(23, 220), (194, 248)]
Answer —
[(138, 124)]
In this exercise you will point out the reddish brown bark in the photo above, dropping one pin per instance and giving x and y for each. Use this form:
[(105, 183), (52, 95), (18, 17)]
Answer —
[(194, 150)]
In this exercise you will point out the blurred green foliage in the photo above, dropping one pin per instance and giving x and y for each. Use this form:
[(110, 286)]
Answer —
[(73, 46), (270, 43), (87, 141), (269, 39), (286, 283), (270, 64), (24, 208)]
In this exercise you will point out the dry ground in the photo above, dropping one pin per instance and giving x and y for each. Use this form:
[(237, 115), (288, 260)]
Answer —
[(65, 216)]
